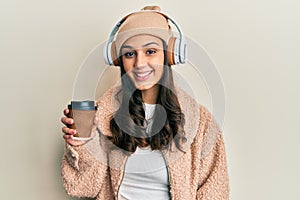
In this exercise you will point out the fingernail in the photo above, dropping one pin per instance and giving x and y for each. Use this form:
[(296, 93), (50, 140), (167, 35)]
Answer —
[(74, 132), (71, 121)]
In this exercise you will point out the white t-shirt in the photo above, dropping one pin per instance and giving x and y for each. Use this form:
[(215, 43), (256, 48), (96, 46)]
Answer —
[(146, 175)]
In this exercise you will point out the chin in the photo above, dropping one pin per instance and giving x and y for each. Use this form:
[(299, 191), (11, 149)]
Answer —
[(144, 86)]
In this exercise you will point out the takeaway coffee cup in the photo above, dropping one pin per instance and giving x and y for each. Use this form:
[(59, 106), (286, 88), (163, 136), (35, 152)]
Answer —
[(83, 114)]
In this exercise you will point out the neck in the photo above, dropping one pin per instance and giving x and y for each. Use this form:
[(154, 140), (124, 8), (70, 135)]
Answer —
[(150, 95)]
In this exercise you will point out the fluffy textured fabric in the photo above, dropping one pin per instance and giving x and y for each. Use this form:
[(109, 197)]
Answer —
[(147, 21), (96, 169)]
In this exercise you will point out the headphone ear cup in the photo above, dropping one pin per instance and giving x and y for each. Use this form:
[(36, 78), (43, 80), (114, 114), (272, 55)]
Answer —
[(115, 59), (170, 51), (106, 53), (177, 52), (182, 48)]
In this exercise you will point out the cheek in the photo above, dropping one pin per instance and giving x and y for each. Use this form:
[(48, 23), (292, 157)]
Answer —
[(159, 59), (127, 64), (159, 66), (160, 71)]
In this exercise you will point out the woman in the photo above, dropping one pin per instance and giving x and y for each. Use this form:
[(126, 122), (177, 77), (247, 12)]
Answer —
[(150, 140)]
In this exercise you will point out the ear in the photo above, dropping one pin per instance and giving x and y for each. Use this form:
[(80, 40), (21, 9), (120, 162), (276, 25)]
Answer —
[(170, 51)]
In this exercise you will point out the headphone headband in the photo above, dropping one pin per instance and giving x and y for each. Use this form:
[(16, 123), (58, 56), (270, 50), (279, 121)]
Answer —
[(179, 51)]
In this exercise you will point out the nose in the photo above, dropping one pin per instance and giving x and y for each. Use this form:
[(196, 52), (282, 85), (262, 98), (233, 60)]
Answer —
[(140, 60)]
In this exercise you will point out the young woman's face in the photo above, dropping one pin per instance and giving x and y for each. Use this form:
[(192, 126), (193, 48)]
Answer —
[(143, 60)]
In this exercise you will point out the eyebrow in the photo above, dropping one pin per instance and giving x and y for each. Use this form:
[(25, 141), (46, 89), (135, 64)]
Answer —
[(145, 45)]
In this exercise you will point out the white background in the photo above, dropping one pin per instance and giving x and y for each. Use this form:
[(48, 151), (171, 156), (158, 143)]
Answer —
[(255, 45)]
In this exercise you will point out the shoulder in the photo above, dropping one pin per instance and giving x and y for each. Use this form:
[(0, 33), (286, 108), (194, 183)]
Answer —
[(185, 99), (106, 97), (191, 108), (106, 106), (108, 100)]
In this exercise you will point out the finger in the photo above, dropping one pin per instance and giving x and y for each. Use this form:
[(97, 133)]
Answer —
[(68, 131), (67, 121), (66, 111), (67, 137)]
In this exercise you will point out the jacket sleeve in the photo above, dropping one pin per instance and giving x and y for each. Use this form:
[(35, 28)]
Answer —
[(84, 169), (213, 181)]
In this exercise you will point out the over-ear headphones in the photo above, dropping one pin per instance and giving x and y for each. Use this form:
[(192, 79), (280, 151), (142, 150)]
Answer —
[(176, 47)]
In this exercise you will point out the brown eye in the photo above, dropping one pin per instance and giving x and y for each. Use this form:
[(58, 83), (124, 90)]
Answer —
[(129, 54), (151, 51)]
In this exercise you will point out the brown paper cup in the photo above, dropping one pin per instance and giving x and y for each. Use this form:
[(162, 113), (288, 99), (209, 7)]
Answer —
[(83, 114)]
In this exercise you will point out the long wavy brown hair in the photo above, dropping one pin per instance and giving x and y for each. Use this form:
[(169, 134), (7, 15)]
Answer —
[(128, 124)]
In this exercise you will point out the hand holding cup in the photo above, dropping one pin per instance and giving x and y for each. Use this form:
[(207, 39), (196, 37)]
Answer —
[(79, 120)]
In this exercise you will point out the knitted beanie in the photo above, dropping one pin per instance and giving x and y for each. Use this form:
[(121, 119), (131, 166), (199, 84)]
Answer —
[(148, 21)]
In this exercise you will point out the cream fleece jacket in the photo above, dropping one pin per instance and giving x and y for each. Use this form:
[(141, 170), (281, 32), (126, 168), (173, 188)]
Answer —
[(96, 169)]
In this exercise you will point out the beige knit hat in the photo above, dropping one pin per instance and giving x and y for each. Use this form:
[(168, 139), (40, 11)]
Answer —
[(147, 21)]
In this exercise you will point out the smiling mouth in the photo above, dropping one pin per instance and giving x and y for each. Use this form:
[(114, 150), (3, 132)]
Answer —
[(141, 76)]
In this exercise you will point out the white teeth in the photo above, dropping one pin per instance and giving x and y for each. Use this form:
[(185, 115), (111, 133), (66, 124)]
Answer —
[(144, 74)]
